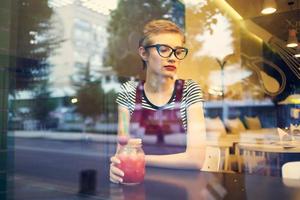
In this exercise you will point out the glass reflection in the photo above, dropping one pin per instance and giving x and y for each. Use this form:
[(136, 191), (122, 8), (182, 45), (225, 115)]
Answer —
[(65, 60)]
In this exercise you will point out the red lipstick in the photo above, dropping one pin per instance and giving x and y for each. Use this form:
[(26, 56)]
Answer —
[(170, 67)]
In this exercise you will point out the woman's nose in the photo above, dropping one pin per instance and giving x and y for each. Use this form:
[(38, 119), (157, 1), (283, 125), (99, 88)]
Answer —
[(172, 58)]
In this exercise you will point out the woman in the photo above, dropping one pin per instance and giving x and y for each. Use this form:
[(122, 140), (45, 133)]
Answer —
[(161, 102)]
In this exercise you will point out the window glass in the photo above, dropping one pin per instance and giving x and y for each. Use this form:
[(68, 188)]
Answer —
[(68, 67)]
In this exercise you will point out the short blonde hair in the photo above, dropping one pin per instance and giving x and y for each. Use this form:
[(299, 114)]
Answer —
[(156, 27)]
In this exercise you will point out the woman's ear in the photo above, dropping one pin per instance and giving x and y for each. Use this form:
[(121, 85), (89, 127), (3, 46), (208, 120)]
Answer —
[(143, 53)]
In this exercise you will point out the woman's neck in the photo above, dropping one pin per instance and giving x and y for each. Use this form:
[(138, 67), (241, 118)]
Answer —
[(159, 84)]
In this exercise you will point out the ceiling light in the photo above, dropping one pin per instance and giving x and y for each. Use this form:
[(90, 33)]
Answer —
[(292, 39), (269, 7)]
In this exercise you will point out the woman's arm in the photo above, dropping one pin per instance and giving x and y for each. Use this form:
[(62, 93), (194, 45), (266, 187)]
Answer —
[(193, 157)]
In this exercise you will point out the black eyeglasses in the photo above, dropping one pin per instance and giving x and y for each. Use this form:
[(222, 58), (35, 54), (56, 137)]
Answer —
[(166, 51)]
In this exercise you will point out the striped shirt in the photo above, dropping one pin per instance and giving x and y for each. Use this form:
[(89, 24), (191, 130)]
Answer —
[(192, 93)]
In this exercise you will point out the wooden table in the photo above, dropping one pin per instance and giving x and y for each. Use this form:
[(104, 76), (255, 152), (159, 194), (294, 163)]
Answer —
[(253, 139), (160, 184), (265, 148)]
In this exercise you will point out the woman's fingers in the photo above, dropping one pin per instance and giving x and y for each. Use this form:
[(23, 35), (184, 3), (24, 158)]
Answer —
[(115, 170), (114, 178), (115, 173), (115, 160)]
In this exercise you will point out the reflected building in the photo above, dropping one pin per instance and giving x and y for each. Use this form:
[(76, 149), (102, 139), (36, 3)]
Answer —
[(83, 27)]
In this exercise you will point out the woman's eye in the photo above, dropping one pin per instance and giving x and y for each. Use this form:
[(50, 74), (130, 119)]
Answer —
[(164, 49), (180, 51)]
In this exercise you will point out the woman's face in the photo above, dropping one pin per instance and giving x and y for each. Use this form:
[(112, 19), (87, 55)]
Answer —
[(158, 65)]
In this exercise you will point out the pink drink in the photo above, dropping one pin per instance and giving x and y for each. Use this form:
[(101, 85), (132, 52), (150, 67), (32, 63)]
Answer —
[(133, 168), (132, 163)]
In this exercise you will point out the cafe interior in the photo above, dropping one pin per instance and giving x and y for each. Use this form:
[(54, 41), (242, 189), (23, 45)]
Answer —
[(63, 62)]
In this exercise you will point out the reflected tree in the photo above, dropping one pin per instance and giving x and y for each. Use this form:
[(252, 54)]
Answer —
[(43, 105), (90, 95), (36, 39), (111, 107), (206, 11), (90, 102)]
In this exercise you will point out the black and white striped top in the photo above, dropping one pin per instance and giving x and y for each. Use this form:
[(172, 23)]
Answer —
[(192, 93)]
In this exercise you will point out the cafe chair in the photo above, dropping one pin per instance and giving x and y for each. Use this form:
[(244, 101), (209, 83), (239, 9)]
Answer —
[(291, 174), (212, 160), (295, 129)]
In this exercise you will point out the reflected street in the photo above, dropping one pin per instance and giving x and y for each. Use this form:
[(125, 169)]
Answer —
[(40, 164)]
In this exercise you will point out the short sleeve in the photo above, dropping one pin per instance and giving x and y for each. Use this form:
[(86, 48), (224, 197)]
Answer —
[(193, 93), (126, 96)]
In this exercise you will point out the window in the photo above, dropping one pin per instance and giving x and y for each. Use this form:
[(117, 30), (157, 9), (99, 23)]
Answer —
[(59, 99)]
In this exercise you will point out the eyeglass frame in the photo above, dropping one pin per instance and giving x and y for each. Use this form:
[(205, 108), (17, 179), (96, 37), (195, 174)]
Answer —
[(157, 46)]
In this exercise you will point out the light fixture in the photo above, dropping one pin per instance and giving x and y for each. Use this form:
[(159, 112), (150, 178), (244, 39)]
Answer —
[(297, 54), (74, 100), (293, 28), (292, 39), (269, 7)]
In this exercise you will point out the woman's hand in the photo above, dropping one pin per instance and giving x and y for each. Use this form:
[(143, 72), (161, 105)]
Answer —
[(115, 174)]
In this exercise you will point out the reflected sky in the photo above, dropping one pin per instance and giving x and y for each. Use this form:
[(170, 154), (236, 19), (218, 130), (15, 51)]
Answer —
[(100, 6), (232, 74), (219, 43), (194, 2)]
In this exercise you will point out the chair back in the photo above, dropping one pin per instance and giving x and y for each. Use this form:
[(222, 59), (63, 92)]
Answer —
[(291, 170), (294, 128), (212, 160)]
